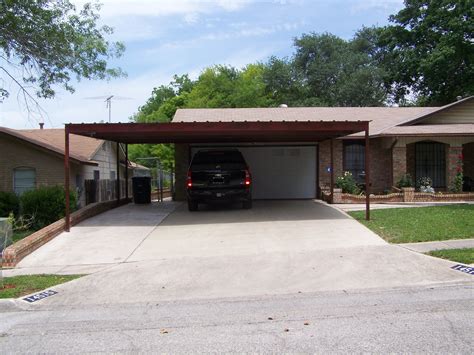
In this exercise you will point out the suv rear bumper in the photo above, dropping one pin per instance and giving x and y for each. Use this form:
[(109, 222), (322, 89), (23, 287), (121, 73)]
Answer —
[(219, 195)]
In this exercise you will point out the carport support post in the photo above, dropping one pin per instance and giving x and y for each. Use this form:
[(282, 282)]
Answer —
[(67, 225), (118, 173), (126, 172), (332, 170), (367, 175)]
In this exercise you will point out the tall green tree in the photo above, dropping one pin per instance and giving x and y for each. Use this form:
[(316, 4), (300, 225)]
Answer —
[(283, 83), (47, 43), (429, 51), (337, 72)]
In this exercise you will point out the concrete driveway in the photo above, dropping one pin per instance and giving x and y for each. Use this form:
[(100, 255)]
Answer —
[(164, 252)]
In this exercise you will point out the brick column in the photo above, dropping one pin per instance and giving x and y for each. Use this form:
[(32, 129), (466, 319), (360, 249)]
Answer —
[(181, 159), (399, 163), (408, 194), (452, 163), (324, 163), (337, 197)]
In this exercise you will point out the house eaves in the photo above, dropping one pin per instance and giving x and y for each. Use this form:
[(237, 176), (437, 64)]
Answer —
[(41, 144)]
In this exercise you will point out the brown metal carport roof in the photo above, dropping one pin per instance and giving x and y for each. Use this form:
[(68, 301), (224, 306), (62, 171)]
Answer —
[(215, 132)]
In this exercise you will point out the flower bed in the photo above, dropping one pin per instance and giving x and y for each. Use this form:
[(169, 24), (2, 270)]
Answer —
[(407, 195)]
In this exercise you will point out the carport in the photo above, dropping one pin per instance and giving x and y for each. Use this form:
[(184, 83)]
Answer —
[(216, 132)]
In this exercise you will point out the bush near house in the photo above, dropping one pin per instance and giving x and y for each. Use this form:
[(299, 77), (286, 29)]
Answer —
[(9, 203), (348, 184), (46, 204), (405, 181)]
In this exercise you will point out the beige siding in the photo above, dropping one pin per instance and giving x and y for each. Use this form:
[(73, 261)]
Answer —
[(16, 153), (462, 113), (106, 157)]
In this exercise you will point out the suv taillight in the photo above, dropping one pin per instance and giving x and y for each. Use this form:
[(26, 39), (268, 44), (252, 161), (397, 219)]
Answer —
[(248, 178), (189, 180)]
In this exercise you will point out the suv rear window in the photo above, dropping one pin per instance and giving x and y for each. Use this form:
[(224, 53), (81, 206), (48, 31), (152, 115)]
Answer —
[(218, 157)]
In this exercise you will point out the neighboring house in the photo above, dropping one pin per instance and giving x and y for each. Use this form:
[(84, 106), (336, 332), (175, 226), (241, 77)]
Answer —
[(33, 158), (421, 141)]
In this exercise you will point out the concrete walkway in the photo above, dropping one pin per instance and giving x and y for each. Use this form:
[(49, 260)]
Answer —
[(97, 243), (425, 247), (278, 247)]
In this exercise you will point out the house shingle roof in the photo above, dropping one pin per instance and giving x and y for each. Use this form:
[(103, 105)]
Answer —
[(381, 117), (435, 129), (82, 148)]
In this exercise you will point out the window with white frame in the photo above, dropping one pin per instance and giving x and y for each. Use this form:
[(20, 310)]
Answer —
[(24, 179)]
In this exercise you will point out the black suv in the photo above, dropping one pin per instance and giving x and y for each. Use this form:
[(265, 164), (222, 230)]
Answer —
[(218, 175)]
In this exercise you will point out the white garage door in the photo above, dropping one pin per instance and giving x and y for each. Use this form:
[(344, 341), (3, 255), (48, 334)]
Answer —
[(281, 172)]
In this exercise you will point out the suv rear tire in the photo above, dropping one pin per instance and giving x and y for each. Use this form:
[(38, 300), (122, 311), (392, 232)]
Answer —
[(192, 206)]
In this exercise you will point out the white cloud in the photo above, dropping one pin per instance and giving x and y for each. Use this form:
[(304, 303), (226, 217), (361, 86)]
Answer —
[(358, 6), (112, 8)]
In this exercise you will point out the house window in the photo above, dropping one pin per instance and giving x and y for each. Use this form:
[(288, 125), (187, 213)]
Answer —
[(430, 161), (112, 175), (354, 159), (24, 179), (96, 175)]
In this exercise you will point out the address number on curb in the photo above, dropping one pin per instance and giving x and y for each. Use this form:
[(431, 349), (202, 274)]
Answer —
[(39, 296), (463, 268)]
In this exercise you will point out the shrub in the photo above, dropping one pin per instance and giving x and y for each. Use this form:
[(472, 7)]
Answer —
[(457, 184), (9, 203), (425, 184), (348, 184), (46, 205), (405, 181)]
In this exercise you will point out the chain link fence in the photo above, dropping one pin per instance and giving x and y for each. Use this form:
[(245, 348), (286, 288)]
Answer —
[(5, 240)]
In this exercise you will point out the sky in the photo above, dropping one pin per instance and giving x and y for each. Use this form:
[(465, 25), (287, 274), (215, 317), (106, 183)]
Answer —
[(167, 37)]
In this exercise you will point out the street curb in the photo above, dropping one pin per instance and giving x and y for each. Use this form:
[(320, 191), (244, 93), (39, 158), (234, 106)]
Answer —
[(10, 305)]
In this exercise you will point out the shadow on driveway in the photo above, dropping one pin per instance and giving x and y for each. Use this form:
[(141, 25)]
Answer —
[(262, 211)]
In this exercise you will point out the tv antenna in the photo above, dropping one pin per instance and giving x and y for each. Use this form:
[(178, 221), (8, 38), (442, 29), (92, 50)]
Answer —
[(108, 101)]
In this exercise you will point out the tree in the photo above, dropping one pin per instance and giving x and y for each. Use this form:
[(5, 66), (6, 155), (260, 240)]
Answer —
[(283, 84), (429, 51), (45, 43), (337, 72), (161, 107)]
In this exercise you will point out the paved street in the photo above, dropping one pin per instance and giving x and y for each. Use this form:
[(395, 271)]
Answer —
[(408, 320)]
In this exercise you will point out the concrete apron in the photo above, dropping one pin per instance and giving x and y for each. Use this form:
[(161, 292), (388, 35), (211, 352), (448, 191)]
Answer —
[(279, 247)]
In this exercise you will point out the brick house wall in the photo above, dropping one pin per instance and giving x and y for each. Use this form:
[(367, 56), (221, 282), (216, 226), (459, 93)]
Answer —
[(325, 162), (380, 162), (454, 147), (49, 166), (380, 165)]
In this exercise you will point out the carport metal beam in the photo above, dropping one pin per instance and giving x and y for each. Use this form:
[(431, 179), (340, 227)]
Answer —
[(216, 132)]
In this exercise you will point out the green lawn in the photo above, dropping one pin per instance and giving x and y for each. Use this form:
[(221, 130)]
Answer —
[(17, 286), (464, 256), (421, 224)]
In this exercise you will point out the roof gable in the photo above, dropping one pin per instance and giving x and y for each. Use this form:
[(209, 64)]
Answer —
[(82, 148)]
